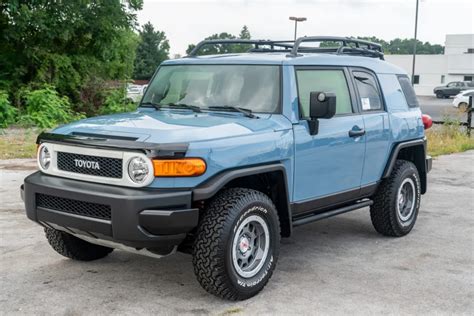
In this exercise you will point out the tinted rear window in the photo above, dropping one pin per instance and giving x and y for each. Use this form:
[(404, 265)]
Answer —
[(408, 91)]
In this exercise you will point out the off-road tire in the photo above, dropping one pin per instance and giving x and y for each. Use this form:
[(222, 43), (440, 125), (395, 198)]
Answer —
[(75, 248), (383, 213), (212, 251)]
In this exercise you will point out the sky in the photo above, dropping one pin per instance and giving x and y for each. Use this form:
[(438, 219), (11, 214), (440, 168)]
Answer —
[(189, 21)]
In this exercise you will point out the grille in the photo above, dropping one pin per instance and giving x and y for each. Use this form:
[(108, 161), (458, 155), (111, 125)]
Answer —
[(104, 166), (73, 206)]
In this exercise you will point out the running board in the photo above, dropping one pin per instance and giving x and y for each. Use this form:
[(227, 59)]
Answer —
[(319, 216)]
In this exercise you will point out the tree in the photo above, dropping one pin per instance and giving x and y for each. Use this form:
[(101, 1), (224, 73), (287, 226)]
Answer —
[(398, 46), (245, 33), (66, 43), (224, 49), (152, 51)]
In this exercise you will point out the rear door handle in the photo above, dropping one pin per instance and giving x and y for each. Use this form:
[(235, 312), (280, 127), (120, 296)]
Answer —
[(356, 131)]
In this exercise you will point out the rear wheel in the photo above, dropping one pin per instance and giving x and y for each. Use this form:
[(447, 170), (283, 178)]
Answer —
[(75, 248), (237, 244), (397, 201)]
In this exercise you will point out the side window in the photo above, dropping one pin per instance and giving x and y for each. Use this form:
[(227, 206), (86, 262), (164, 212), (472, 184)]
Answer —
[(451, 84), (369, 93), (408, 91), (416, 79), (333, 81)]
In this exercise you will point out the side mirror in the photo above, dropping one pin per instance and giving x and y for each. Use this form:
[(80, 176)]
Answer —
[(322, 105)]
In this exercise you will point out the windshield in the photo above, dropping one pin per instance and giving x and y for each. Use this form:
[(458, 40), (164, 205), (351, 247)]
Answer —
[(252, 87)]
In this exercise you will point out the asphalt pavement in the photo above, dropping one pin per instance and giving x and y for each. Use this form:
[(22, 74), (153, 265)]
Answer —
[(335, 266), (440, 109)]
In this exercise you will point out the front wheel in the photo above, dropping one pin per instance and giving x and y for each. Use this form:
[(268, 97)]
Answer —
[(237, 244), (439, 95), (75, 248), (397, 201)]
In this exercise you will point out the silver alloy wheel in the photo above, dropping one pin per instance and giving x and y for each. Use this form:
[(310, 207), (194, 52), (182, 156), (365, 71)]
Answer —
[(406, 200), (250, 246)]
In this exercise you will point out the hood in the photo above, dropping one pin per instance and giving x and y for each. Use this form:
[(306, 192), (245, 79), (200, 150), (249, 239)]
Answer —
[(172, 126)]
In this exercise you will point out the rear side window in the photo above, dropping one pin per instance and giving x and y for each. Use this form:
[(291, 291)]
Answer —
[(333, 81), (369, 93), (408, 91)]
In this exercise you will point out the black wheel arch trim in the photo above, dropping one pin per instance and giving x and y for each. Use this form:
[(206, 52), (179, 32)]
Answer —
[(213, 185), (423, 168)]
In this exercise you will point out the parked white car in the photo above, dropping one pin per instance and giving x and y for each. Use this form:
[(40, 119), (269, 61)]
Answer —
[(135, 92), (461, 100)]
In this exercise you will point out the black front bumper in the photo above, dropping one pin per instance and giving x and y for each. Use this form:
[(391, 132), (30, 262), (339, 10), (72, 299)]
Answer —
[(139, 218)]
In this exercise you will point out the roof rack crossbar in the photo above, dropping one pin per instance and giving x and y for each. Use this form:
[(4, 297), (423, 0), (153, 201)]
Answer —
[(285, 45), (348, 46), (362, 47)]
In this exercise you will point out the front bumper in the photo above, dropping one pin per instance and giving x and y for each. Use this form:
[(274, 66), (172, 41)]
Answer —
[(139, 218)]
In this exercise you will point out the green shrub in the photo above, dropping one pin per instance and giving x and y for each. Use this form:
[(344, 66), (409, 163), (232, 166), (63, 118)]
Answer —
[(451, 137), (116, 102), (8, 113), (46, 109)]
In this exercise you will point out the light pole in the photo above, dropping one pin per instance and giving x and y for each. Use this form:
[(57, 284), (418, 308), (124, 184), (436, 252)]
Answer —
[(297, 19), (414, 47)]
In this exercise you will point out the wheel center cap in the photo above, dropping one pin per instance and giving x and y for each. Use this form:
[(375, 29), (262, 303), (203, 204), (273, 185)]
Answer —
[(244, 245)]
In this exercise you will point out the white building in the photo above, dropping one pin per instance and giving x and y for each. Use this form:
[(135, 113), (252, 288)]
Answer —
[(456, 64)]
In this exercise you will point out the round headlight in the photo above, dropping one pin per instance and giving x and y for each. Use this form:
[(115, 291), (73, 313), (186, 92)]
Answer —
[(138, 169), (44, 157)]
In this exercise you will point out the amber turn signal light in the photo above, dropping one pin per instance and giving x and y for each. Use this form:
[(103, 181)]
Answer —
[(186, 167)]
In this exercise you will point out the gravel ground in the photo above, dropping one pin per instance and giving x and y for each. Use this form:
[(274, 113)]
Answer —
[(336, 266)]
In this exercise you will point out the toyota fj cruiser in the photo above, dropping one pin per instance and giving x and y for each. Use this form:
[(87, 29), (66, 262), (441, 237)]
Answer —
[(227, 153)]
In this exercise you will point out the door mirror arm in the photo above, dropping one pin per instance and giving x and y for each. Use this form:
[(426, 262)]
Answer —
[(322, 105)]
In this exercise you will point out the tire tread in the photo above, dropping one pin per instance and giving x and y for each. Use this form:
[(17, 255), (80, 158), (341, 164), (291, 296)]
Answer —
[(209, 248), (75, 248)]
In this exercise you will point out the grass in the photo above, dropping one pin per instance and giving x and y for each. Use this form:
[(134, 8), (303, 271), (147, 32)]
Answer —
[(18, 143), (448, 138), (442, 139)]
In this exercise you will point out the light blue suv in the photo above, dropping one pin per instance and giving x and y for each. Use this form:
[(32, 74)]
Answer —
[(227, 153)]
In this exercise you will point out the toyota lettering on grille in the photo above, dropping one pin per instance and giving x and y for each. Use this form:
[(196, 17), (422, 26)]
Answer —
[(86, 164)]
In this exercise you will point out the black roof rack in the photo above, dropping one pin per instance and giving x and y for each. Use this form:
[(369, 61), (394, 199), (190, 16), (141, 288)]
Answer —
[(359, 47), (347, 46), (258, 45)]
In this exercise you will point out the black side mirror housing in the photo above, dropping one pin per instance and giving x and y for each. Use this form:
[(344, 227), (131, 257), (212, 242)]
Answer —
[(322, 105)]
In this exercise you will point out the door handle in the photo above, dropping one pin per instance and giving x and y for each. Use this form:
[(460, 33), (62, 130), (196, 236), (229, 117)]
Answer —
[(356, 131)]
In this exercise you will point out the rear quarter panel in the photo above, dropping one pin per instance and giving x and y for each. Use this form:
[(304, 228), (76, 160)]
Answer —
[(405, 122)]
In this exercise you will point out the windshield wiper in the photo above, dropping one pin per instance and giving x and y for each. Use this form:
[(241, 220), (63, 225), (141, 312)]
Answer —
[(153, 104), (194, 108), (246, 112)]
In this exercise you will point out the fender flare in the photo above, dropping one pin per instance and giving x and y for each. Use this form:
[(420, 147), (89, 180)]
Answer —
[(423, 169), (212, 186)]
